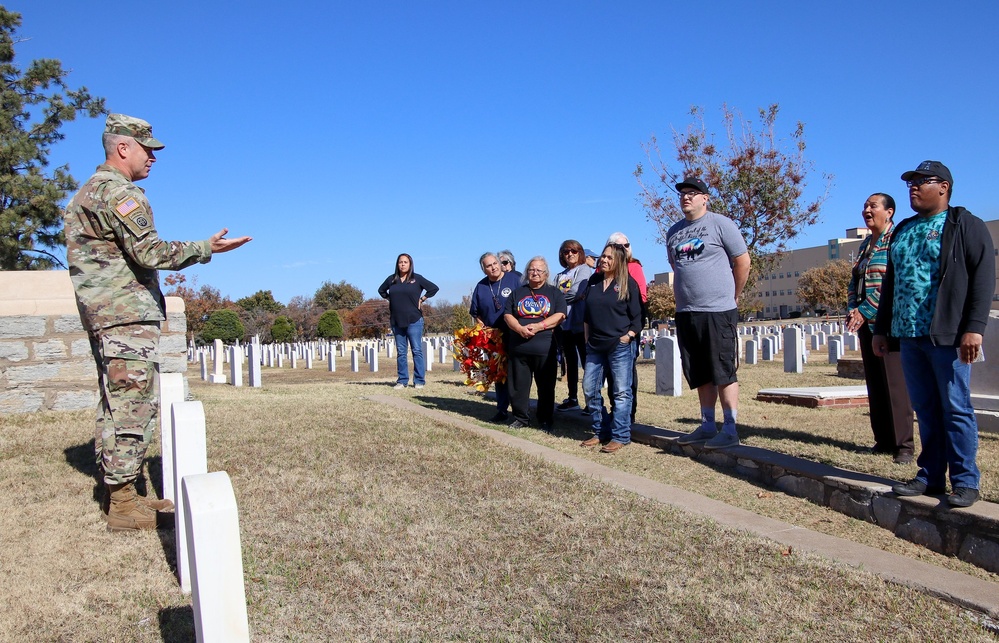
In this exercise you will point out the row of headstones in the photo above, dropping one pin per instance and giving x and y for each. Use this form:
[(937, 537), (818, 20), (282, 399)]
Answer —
[(768, 340), (272, 355), (209, 553), (791, 340)]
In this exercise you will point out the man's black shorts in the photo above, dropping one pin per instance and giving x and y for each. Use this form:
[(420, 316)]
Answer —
[(709, 348)]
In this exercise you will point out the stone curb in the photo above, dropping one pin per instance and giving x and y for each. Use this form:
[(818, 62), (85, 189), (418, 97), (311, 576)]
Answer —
[(948, 585), (970, 534)]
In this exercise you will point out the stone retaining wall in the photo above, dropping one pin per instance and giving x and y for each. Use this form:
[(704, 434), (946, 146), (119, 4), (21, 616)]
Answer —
[(850, 367), (970, 534), (45, 358)]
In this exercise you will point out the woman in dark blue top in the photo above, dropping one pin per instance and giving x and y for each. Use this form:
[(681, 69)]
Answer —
[(406, 291)]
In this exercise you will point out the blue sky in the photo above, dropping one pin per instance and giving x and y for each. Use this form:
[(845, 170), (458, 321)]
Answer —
[(341, 134)]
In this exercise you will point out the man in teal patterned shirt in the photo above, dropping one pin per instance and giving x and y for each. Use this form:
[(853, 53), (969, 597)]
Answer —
[(936, 298)]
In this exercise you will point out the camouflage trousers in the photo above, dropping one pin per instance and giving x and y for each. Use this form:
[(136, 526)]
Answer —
[(128, 377)]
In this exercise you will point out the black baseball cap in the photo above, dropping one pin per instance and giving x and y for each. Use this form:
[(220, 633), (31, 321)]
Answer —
[(692, 182), (930, 168)]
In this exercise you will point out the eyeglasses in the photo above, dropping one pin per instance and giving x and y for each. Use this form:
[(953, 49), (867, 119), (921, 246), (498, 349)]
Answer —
[(505, 262), (915, 183), (620, 246), (690, 194), (570, 251), (536, 270)]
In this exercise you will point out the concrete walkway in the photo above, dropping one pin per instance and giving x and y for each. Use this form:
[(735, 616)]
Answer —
[(951, 586)]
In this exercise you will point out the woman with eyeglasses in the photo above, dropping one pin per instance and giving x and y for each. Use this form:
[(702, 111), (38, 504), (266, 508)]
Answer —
[(532, 313), (572, 282), (612, 322), (507, 262), (488, 302), (406, 292), (636, 272)]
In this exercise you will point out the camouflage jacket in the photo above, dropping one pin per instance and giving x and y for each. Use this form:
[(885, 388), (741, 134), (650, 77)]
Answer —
[(114, 252)]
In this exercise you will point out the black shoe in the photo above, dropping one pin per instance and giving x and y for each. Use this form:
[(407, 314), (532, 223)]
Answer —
[(499, 418), (517, 424), (569, 404), (963, 497), (546, 427), (916, 488), (903, 457)]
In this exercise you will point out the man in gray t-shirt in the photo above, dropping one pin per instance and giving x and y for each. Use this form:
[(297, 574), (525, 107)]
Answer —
[(711, 264)]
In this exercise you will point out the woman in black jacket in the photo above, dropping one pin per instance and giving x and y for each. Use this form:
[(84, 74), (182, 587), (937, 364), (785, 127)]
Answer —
[(611, 324), (406, 292)]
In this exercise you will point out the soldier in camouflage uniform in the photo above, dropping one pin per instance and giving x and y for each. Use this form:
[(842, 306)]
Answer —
[(114, 254)]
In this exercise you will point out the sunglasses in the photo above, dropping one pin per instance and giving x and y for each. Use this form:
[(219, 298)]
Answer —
[(505, 262), (915, 183)]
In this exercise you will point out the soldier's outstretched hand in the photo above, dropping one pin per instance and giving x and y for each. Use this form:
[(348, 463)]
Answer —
[(221, 244)]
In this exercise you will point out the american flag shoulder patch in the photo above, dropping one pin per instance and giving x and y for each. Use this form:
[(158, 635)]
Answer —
[(132, 213), (127, 206)]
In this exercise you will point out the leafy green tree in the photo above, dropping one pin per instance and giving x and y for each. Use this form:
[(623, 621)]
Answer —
[(753, 179), (330, 326), (460, 317), (282, 330), (263, 300), (34, 104), (339, 296), (199, 303), (224, 325)]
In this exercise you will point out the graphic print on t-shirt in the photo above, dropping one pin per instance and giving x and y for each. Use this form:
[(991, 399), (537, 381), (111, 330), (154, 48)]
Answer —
[(534, 306), (689, 249), (687, 244)]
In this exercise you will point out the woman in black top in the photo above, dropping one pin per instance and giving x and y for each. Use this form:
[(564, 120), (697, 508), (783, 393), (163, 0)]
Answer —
[(406, 292), (532, 312), (611, 323)]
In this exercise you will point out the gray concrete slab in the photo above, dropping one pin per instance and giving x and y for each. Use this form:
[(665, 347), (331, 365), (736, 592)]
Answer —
[(952, 586), (819, 392)]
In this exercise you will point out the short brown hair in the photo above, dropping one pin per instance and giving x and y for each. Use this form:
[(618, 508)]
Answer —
[(570, 244)]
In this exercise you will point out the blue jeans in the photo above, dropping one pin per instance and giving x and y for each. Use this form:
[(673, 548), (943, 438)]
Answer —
[(413, 335), (618, 364), (939, 387)]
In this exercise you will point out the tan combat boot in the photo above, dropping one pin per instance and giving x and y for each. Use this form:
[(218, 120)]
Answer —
[(156, 504), (126, 513)]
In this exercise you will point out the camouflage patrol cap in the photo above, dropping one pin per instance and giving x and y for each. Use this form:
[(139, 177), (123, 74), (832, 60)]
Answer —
[(137, 128)]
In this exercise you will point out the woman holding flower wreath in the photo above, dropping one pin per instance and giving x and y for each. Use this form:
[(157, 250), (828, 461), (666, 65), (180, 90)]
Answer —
[(532, 312), (488, 302)]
